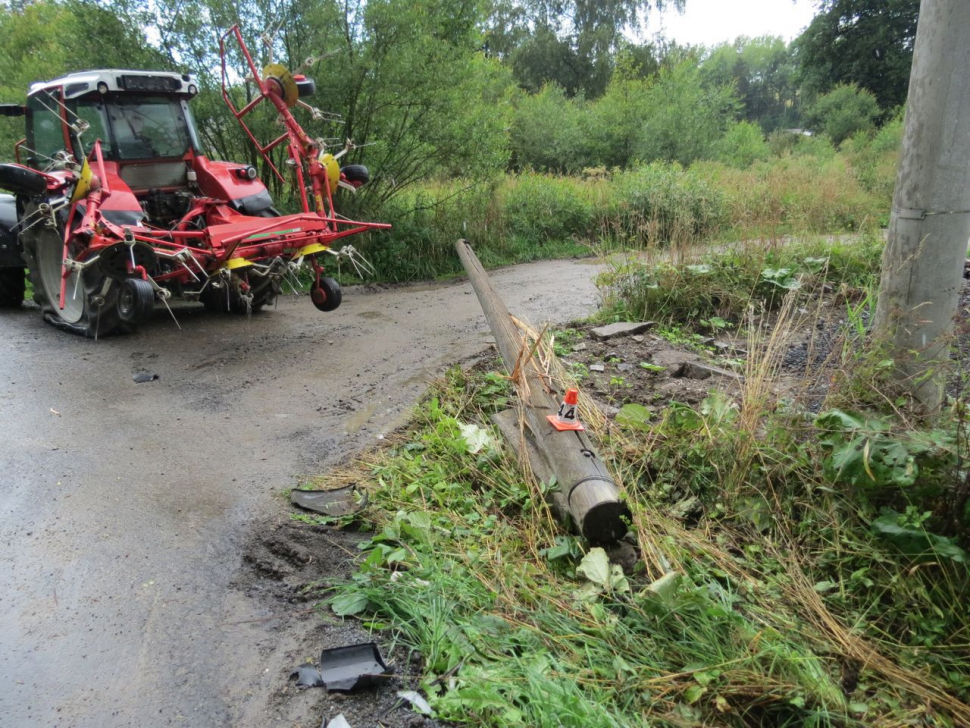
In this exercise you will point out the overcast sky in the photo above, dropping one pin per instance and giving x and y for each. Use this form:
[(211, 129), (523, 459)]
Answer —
[(710, 22)]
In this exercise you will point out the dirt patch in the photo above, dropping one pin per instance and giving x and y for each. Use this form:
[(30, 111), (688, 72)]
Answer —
[(643, 369)]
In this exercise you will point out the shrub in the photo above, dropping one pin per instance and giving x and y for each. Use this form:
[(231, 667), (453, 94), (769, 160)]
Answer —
[(664, 203), (542, 208), (843, 111), (742, 145)]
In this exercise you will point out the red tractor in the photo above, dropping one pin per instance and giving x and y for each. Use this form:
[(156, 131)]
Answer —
[(115, 206)]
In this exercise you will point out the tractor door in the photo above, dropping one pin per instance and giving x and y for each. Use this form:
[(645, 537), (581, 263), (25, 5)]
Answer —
[(47, 132)]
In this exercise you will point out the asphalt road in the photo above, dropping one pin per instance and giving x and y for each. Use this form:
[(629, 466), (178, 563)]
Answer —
[(124, 507)]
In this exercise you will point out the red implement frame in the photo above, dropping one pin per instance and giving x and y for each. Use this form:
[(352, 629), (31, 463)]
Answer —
[(227, 234)]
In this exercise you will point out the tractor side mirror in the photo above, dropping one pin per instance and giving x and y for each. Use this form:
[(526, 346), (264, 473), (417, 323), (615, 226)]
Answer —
[(12, 110)]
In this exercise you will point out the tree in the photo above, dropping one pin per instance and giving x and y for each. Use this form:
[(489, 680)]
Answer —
[(571, 42), (45, 40), (842, 112), (866, 42), (762, 71)]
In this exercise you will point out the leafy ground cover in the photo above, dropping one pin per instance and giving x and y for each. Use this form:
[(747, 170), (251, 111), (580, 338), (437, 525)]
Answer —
[(788, 565)]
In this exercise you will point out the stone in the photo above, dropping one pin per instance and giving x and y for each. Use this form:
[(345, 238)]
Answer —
[(581, 346), (638, 338), (624, 328), (597, 367), (625, 367), (696, 370)]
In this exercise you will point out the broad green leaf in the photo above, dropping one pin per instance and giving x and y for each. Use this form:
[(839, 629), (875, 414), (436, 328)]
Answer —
[(349, 604), (634, 416), (595, 566)]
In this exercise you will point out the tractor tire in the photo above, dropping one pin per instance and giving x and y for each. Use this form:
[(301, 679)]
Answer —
[(13, 286), (91, 300), (326, 295)]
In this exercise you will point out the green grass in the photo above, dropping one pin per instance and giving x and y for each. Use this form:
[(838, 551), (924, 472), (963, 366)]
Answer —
[(722, 284)]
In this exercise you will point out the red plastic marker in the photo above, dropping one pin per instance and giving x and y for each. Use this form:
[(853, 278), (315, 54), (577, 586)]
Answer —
[(567, 417)]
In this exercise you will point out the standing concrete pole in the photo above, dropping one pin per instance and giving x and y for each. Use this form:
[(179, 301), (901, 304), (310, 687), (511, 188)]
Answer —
[(922, 266)]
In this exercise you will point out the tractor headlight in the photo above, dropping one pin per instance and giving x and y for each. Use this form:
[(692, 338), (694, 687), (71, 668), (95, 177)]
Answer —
[(193, 89), (246, 173)]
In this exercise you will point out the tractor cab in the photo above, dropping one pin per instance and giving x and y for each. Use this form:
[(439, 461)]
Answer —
[(139, 117), (148, 143)]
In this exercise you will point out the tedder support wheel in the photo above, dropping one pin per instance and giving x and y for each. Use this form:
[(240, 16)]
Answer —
[(91, 298), (325, 294), (13, 286), (136, 299)]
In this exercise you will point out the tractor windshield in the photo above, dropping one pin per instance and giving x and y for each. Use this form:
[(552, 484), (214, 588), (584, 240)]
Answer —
[(148, 127), (135, 127)]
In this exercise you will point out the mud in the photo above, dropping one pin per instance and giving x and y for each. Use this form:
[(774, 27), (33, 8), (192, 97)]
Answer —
[(149, 573)]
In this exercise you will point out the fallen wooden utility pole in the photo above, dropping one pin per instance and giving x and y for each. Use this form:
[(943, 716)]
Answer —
[(586, 490)]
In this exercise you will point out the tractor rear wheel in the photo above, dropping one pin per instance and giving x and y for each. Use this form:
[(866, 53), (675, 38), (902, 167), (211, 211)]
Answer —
[(90, 299), (13, 286)]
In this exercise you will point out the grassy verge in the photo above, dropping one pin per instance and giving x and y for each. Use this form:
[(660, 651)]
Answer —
[(784, 598), (723, 284)]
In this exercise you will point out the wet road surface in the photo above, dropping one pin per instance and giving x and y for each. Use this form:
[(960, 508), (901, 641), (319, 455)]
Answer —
[(124, 507)]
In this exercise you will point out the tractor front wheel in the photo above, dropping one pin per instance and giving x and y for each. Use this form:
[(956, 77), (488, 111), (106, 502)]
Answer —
[(90, 300)]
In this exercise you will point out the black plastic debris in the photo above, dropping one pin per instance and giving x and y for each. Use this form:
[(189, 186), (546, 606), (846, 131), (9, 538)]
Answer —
[(345, 669), (142, 377), (308, 676), (339, 502)]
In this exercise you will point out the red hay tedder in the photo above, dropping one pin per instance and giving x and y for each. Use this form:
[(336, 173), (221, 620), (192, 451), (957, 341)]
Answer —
[(116, 206)]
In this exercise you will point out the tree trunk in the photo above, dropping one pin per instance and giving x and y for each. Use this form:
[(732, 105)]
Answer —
[(922, 266)]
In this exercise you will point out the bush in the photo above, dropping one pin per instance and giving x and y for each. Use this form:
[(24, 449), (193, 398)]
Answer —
[(543, 208), (682, 117), (664, 203), (742, 146), (843, 111), (539, 143)]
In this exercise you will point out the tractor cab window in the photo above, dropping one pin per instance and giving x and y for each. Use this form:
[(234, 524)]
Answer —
[(45, 130), (148, 127), (94, 113)]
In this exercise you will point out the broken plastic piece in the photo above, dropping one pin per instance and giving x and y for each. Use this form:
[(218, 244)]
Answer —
[(345, 669), (338, 722), (340, 502), (417, 701), (142, 377), (308, 676)]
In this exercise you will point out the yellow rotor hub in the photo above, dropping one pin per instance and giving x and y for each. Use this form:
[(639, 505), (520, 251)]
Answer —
[(329, 163), (277, 75)]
